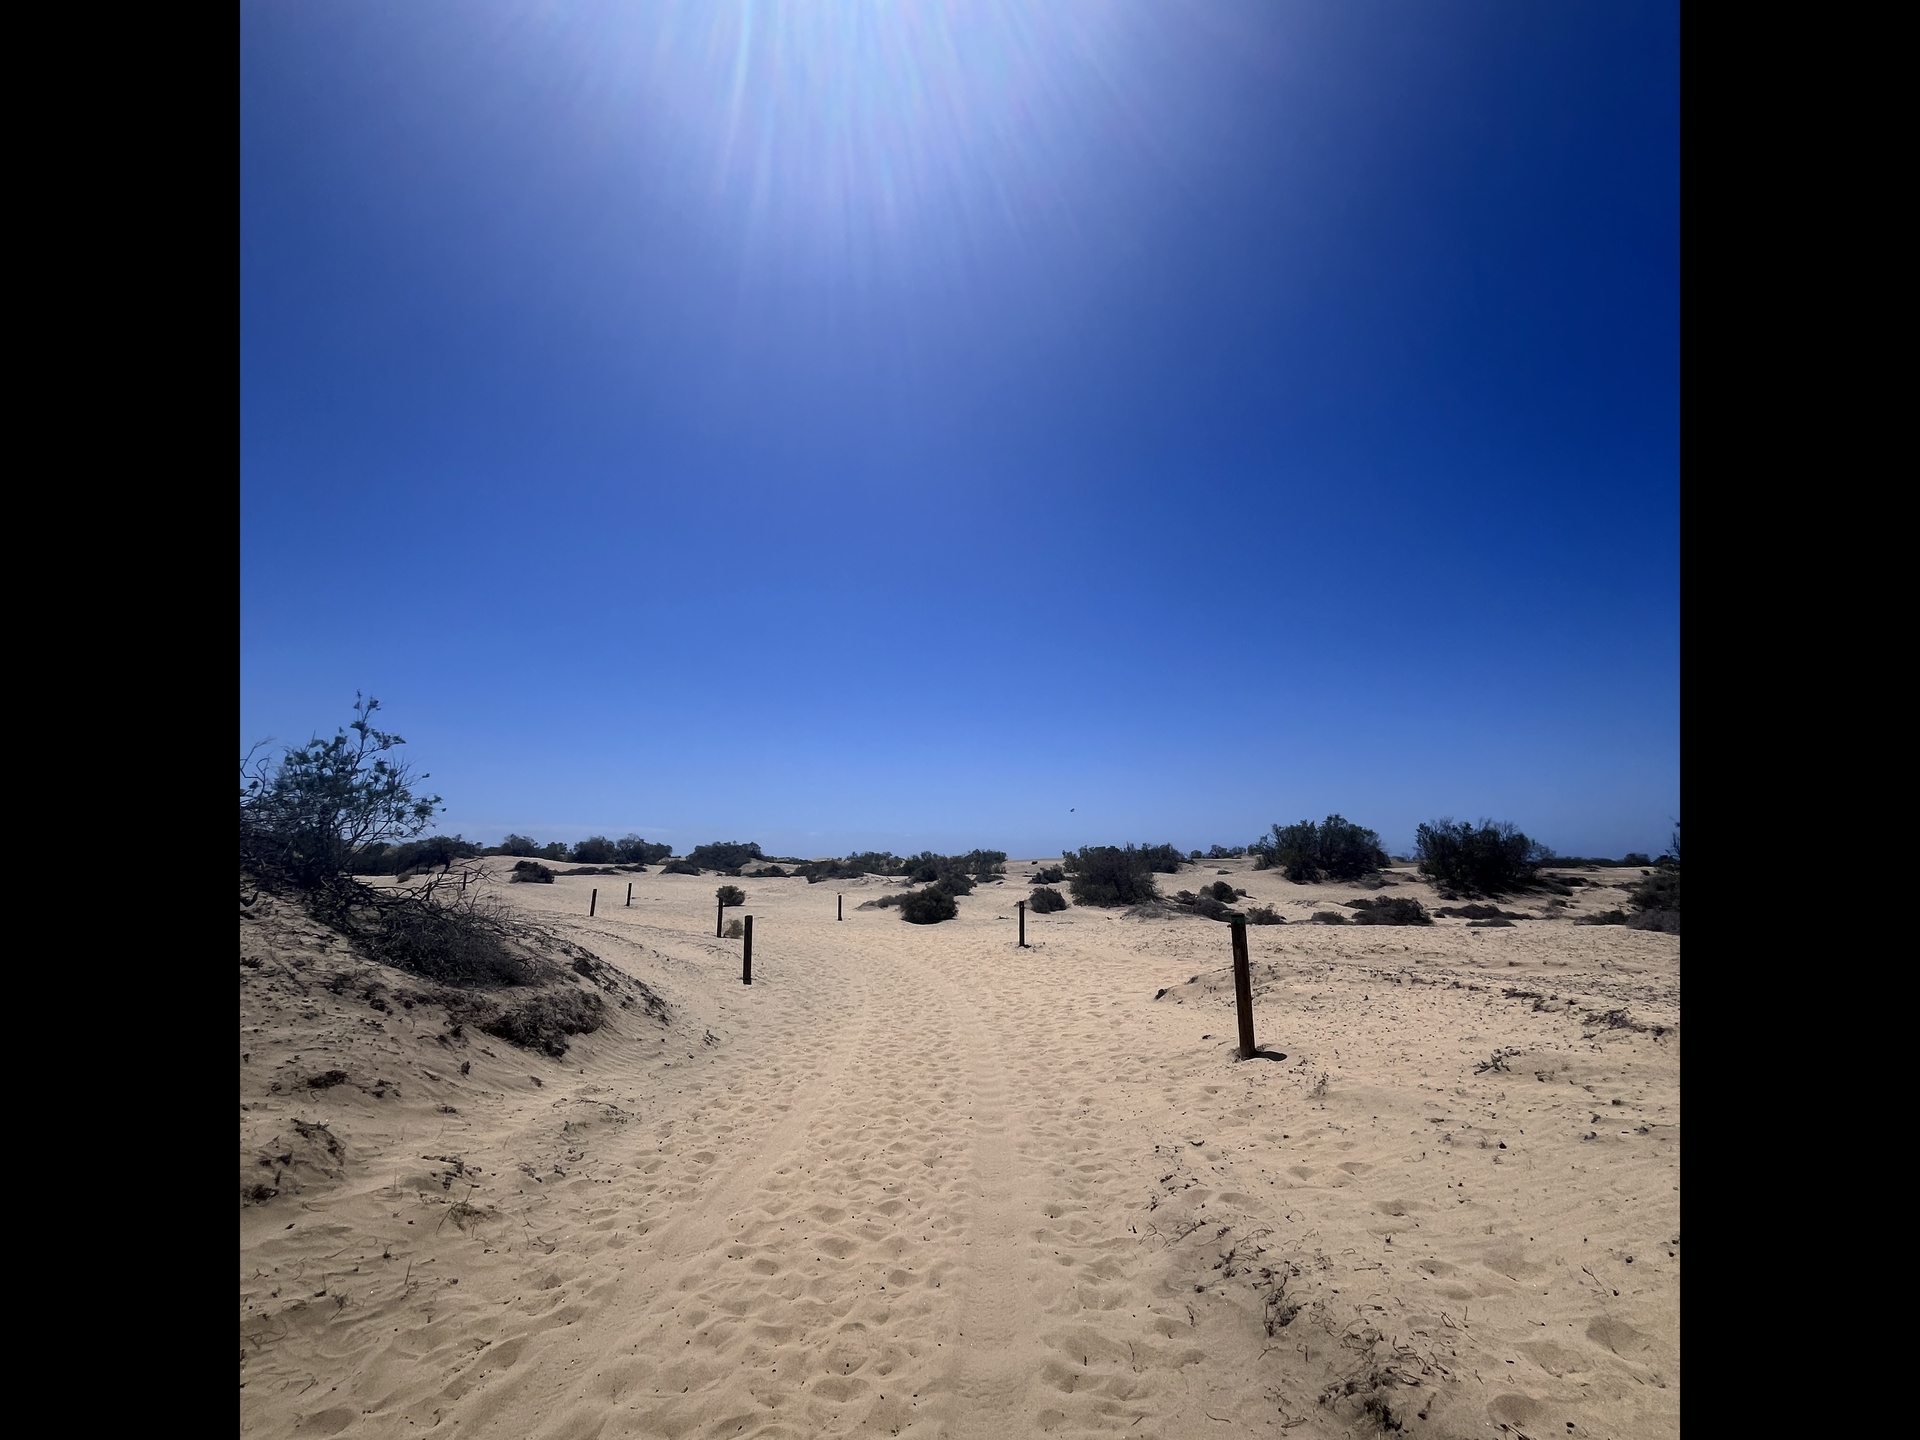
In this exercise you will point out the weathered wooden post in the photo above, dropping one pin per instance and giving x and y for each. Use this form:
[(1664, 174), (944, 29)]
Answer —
[(629, 892), (1021, 905), (719, 918), (746, 954), (839, 907), (1242, 984), (593, 900)]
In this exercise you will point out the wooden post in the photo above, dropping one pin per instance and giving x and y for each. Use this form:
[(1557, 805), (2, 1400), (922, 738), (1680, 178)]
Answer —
[(1022, 906), (746, 954), (593, 901), (629, 892), (839, 907), (719, 918), (1242, 985)]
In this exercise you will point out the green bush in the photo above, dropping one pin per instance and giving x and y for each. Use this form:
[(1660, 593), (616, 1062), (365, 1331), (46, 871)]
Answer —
[(1203, 904), (436, 852), (679, 867), (1479, 912), (305, 818), (532, 872), (1049, 875), (1656, 899), (728, 855), (1659, 891), (955, 872), (767, 872), (594, 850), (1222, 891), (1329, 917), (1264, 915), (867, 862), (984, 864), (734, 930), (1110, 875), (516, 845), (1222, 852), (928, 907), (1045, 900), (1390, 912), (1335, 849), (1163, 859), (632, 850), (1492, 858), (730, 895)]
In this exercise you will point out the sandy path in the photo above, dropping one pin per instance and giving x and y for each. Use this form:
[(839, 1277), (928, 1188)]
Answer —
[(916, 1180)]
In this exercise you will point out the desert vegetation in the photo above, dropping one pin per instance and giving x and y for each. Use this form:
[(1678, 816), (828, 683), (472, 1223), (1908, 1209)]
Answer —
[(1306, 853), (1050, 875), (1221, 852), (629, 851), (852, 867), (527, 848), (730, 896), (928, 906), (1491, 858), (1655, 900), (309, 820), (729, 857), (1479, 912), (1110, 875), (938, 898), (435, 852), (1045, 900), (976, 865), (1215, 901), (1388, 910)]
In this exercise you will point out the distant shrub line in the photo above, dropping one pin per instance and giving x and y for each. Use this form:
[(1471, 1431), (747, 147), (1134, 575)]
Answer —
[(594, 850)]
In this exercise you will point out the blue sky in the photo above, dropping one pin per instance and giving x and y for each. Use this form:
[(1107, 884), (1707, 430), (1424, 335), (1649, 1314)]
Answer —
[(936, 425)]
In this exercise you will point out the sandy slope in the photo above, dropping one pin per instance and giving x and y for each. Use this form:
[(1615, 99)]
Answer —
[(917, 1181)]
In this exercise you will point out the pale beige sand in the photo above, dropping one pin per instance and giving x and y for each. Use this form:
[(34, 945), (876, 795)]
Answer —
[(916, 1181)]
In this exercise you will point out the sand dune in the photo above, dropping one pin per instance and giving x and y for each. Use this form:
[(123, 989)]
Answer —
[(917, 1181)]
